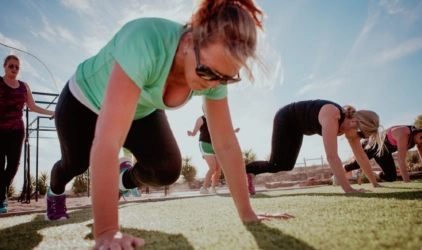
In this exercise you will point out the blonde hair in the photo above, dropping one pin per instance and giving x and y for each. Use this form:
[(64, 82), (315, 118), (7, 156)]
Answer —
[(10, 57), (368, 122), (233, 22)]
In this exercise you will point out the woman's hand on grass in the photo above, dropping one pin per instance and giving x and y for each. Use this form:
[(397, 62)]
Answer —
[(379, 186), (267, 216), (117, 240), (360, 190)]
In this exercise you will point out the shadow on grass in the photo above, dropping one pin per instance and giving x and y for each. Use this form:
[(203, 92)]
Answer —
[(155, 239), (269, 238), (413, 195), (26, 236)]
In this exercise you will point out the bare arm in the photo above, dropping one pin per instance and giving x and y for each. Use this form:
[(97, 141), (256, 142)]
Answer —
[(362, 159), (229, 154), (111, 130), (328, 118), (198, 125), (33, 106), (419, 148), (401, 135)]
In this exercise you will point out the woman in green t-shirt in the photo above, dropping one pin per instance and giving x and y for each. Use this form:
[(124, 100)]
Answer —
[(117, 99)]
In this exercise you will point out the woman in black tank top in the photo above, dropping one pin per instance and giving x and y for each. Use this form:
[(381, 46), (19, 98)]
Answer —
[(327, 119), (14, 94), (397, 139), (208, 154)]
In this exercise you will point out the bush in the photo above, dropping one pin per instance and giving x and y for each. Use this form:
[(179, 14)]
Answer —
[(80, 184), (248, 156), (412, 160), (188, 171), (43, 181), (11, 191)]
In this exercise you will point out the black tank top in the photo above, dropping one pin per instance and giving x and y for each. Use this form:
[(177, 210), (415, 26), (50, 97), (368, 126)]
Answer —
[(306, 114), (12, 102), (204, 135)]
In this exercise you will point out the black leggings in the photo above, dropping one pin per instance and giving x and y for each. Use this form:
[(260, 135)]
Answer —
[(286, 143), (385, 161), (11, 142), (150, 140)]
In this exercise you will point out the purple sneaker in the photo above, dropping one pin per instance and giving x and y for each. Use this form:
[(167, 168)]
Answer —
[(56, 207), (125, 164), (251, 187)]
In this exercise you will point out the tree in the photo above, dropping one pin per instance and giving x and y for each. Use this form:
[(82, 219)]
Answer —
[(248, 156), (418, 122), (188, 171)]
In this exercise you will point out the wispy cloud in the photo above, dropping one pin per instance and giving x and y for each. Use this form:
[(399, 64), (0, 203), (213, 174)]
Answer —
[(47, 33), (321, 86), (395, 53), (66, 35), (392, 6), (77, 5), (12, 42), (308, 78)]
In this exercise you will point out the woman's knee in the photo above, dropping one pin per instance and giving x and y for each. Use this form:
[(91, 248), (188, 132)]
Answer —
[(389, 177), (167, 172)]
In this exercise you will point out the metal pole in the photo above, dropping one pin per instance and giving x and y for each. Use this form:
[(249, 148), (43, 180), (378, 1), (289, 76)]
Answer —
[(304, 161), (89, 178), (322, 162), (36, 161)]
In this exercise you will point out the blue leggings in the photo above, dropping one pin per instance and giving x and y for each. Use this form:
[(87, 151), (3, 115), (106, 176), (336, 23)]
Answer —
[(150, 140)]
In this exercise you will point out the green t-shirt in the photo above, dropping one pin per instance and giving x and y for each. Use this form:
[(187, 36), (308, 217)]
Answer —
[(145, 49)]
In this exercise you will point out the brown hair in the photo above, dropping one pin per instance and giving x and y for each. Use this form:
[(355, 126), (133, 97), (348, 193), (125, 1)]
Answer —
[(10, 57), (368, 123), (233, 22)]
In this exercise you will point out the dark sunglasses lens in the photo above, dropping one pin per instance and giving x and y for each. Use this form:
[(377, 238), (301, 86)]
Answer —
[(206, 74), (13, 66)]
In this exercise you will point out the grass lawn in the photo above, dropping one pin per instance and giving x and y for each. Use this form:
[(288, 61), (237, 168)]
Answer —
[(326, 218)]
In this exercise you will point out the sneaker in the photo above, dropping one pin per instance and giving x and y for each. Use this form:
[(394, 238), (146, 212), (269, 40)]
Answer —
[(125, 164), (56, 207), (204, 190), (251, 187), (3, 207), (213, 191), (335, 181)]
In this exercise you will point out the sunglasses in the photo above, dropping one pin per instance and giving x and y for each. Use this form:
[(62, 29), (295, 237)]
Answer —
[(210, 75), (11, 66)]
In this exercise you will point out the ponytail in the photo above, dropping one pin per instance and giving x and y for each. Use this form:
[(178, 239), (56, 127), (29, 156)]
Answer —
[(368, 123)]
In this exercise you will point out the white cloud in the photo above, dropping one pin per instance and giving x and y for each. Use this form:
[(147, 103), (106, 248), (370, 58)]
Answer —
[(403, 49), (392, 6), (66, 34), (78, 5), (93, 44), (308, 77), (321, 85), (47, 33), (12, 42)]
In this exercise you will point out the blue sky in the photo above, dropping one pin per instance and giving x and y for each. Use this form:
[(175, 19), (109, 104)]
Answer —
[(364, 53)]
